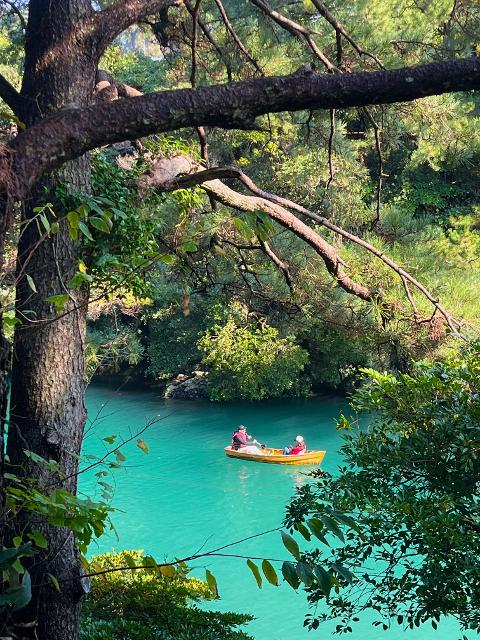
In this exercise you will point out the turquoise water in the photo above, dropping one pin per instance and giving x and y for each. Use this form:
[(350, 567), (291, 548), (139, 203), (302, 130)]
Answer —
[(186, 495)]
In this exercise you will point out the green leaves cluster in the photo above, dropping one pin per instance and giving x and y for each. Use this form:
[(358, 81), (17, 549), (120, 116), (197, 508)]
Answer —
[(408, 494), (250, 362), (153, 603)]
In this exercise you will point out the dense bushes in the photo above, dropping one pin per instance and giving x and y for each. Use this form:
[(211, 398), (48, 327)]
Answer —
[(251, 363), (141, 604)]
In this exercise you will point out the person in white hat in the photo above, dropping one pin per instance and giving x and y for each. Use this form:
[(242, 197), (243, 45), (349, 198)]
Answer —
[(298, 448)]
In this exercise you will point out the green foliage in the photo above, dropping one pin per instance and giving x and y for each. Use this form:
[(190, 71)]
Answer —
[(138, 604), (250, 362), (134, 68), (406, 501), (85, 518), (109, 347), (174, 331)]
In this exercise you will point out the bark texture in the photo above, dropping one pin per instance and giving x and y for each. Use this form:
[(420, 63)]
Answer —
[(74, 131), (47, 408)]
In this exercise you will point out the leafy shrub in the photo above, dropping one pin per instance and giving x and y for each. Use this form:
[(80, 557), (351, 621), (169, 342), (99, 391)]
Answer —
[(140, 604), (408, 495), (251, 363)]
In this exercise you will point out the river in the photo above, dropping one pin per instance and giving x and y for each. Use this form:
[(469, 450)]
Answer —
[(186, 495)]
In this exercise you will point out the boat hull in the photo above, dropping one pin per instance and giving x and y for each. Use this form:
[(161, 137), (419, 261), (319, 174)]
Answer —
[(276, 456)]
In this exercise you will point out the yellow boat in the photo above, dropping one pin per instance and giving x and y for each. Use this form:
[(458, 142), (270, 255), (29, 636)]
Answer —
[(276, 456)]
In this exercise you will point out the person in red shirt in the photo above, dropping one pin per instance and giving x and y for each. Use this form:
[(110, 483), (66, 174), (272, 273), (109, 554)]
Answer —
[(299, 447)]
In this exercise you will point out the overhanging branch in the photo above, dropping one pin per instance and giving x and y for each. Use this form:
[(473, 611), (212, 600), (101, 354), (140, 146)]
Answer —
[(184, 173), (113, 20), (164, 174), (69, 134)]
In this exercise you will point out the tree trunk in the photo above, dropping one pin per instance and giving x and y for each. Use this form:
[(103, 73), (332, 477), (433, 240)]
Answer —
[(47, 407)]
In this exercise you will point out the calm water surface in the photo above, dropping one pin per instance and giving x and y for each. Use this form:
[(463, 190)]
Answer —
[(186, 495)]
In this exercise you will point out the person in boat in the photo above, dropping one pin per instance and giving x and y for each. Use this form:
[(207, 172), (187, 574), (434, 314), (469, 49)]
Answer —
[(298, 448), (242, 441)]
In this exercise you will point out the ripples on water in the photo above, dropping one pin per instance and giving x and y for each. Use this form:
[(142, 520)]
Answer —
[(186, 495)]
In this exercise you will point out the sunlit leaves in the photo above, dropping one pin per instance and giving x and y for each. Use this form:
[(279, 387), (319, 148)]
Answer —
[(212, 583), (254, 569)]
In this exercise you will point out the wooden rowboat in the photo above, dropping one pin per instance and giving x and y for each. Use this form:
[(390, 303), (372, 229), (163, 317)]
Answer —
[(276, 456)]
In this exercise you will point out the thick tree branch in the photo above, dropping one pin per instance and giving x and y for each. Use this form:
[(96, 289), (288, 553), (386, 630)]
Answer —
[(454, 324), (10, 95), (175, 180), (70, 133), (112, 21), (165, 172)]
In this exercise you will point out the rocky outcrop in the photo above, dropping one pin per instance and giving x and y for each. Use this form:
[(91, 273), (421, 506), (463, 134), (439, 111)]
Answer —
[(188, 388)]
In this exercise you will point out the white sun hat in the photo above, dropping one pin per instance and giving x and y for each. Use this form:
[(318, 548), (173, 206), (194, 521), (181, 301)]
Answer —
[(299, 439)]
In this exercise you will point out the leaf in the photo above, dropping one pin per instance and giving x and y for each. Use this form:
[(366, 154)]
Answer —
[(151, 564), (73, 219), (291, 545), (119, 457), (167, 571), (7, 558), (270, 573), (212, 583), (130, 561), (318, 529), (305, 573), (85, 230), (25, 594), (39, 539), (243, 227), (9, 321), (167, 258), (10, 596), (141, 444), (31, 284), (289, 572), (188, 246), (324, 579), (344, 572), (54, 581), (332, 526), (45, 222), (78, 279), (59, 302), (100, 224), (110, 439), (254, 569), (347, 520), (302, 529)]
